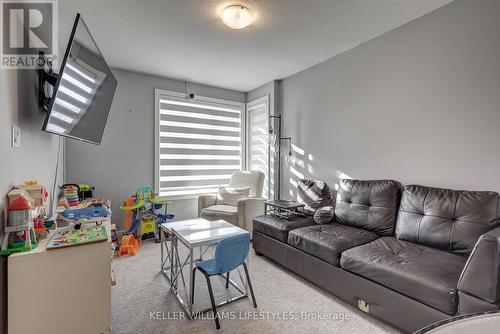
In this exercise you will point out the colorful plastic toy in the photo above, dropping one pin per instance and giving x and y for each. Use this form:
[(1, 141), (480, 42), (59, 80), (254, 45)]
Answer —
[(31, 190), (37, 195), (142, 217), (148, 226), (84, 190), (71, 194), (130, 245), (88, 212), (63, 202), (129, 214), (21, 224), (114, 238)]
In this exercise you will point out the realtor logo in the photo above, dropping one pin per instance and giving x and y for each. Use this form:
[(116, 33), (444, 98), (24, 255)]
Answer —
[(28, 28)]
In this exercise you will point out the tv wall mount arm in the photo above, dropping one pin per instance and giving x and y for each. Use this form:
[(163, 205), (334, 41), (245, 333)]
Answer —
[(44, 77)]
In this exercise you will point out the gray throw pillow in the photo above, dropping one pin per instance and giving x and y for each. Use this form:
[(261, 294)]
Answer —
[(314, 194), (324, 215)]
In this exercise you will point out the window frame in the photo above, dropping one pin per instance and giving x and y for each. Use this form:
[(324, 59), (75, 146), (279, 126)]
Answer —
[(159, 94), (263, 99)]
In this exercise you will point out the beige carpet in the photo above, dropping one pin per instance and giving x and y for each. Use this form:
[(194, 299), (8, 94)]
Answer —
[(143, 303)]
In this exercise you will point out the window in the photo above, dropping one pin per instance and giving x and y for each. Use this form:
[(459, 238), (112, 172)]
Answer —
[(199, 144), (257, 138)]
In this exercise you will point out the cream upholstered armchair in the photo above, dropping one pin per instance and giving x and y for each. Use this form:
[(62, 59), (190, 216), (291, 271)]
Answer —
[(246, 208)]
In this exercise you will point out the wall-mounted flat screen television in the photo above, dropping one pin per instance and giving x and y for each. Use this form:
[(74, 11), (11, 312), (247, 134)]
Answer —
[(84, 90)]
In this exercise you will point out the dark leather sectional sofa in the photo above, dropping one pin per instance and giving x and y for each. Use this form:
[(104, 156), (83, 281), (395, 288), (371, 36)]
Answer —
[(410, 256)]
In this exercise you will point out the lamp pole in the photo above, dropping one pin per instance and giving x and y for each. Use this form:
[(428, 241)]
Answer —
[(278, 136), (279, 140)]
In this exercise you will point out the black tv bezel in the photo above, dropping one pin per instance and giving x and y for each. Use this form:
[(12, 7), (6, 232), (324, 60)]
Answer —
[(59, 78)]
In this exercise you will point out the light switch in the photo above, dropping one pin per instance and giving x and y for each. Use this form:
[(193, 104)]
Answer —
[(16, 136)]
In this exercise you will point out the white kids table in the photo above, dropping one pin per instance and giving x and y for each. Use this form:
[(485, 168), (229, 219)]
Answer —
[(193, 233)]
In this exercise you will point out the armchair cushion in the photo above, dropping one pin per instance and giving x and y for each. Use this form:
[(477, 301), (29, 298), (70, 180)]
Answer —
[(481, 274), (252, 179), (229, 195), (204, 201), (244, 206), (240, 214), (228, 213)]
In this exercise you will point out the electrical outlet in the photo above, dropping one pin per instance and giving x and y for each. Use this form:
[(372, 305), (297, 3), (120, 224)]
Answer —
[(363, 306), (16, 136)]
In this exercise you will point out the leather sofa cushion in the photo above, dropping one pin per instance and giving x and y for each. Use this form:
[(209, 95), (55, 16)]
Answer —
[(228, 213), (371, 205), (425, 274), (451, 220), (277, 227), (328, 241)]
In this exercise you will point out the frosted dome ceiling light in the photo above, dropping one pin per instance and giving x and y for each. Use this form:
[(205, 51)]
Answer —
[(236, 17)]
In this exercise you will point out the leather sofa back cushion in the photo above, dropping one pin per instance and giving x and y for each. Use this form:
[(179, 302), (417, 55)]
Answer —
[(451, 220), (371, 205)]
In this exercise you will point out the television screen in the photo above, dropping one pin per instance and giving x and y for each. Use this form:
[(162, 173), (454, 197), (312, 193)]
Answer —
[(84, 90)]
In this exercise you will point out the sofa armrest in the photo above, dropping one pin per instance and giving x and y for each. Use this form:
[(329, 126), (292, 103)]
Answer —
[(248, 209), (481, 274), (204, 201)]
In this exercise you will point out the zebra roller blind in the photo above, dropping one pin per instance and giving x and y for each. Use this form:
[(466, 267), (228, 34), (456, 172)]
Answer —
[(199, 144), (258, 138)]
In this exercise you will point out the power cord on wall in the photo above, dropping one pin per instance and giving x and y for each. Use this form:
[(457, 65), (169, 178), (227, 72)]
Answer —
[(53, 193)]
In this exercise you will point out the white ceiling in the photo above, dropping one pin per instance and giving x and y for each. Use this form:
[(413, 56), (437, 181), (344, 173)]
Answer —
[(184, 39)]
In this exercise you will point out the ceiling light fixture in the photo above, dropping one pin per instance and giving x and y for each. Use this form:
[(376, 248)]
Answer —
[(236, 17)]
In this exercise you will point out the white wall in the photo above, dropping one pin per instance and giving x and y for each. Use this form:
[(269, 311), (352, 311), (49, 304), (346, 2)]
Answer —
[(420, 104), (125, 159), (36, 158)]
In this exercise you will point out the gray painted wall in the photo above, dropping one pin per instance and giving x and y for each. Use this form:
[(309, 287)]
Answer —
[(37, 156), (125, 159), (420, 104)]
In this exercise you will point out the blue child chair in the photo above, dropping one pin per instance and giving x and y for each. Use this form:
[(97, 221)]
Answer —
[(230, 253)]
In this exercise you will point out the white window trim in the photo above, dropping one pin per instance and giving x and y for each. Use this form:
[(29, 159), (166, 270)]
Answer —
[(159, 93), (249, 106)]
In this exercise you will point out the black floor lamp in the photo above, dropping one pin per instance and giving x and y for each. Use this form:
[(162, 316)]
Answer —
[(275, 141)]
